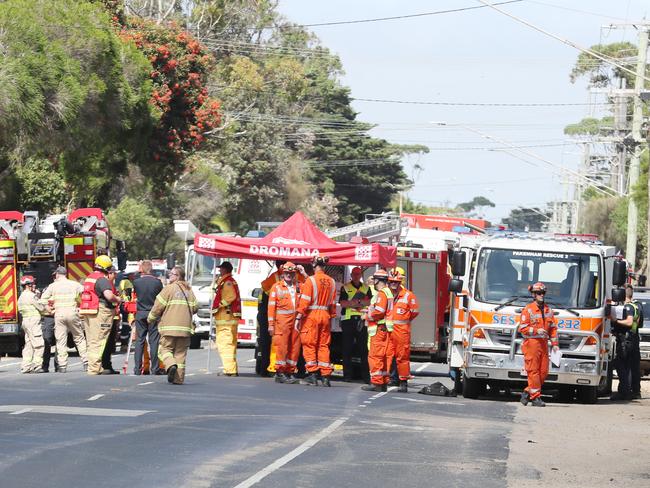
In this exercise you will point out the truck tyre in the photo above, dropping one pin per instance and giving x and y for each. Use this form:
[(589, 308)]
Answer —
[(588, 394), (195, 342), (566, 394), (472, 387)]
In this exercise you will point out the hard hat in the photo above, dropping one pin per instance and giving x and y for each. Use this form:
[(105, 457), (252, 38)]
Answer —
[(395, 275), (400, 270), (356, 270), (103, 262), (537, 287), (27, 280), (288, 267), (380, 275), (320, 260)]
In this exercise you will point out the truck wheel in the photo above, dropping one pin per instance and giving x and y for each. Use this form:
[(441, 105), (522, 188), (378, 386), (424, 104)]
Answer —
[(566, 394), (472, 387), (195, 342), (588, 394)]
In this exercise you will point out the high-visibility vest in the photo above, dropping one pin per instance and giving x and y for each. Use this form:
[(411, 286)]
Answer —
[(89, 298), (351, 291), (635, 319), (372, 326)]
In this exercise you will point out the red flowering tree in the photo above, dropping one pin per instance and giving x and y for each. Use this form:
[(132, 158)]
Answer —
[(180, 67)]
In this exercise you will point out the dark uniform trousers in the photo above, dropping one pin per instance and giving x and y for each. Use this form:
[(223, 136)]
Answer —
[(354, 334), (146, 330)]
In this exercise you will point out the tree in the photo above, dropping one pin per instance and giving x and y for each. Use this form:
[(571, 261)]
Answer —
[(527, 219), (476, 203)]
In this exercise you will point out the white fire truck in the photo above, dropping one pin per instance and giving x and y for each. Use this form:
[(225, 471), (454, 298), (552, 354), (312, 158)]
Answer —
[(490, 285)]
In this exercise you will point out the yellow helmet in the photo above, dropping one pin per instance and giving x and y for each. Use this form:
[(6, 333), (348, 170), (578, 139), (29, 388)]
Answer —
[(103, 262), (400, 270)]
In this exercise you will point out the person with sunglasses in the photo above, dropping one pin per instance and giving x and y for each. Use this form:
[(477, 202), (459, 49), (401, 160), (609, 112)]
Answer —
[(537, 325)]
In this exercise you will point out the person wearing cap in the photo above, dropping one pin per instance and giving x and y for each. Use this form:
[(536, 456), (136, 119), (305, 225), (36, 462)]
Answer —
[(226, 308), (99, 300), (537, 325), (316, 309), (354, 296), (380, 355), (405, 309), (283, 300), (63, 297), (30, 310)]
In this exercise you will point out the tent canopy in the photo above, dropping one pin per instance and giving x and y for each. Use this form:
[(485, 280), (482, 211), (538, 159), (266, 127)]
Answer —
[(297, 240)]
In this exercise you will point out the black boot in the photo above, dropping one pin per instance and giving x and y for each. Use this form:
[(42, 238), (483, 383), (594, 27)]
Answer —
[(403, 386), (310, 380), (292, 380), (376, 388), (538, 402), (326, 381), (524, 398), (171, 373), (280, 378)]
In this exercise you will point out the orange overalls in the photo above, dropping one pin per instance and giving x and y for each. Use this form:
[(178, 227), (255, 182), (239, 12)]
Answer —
[(317, 306), (405, 309), (381, 351), (282, 316), (535, 346)]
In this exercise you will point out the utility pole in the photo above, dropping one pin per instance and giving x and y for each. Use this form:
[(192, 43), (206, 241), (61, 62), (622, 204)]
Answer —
[(635, 160)]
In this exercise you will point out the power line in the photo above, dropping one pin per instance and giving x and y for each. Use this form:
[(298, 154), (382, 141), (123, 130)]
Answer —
[(478, 104), (552, 5), (400, 17)]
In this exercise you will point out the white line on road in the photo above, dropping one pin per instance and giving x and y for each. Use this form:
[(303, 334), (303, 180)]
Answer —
[(260, 475), (423, 367), (95, 397), (251, 360), (93, 412), (190, 374), (146, 383), (4, 365), (410, 399), (367, 401), (363, 406), (400, 426), (18, 412)]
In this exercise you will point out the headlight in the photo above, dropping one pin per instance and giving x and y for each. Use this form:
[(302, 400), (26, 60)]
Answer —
[(584, 368), (481, 360)]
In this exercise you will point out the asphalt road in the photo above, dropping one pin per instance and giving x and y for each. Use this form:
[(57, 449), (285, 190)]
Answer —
[(61, 430)]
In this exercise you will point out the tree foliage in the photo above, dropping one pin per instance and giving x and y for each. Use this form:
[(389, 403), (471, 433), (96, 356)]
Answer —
[(527, 219), (601, 73)]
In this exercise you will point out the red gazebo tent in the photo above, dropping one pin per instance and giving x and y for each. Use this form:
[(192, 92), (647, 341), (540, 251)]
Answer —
[(298, 240)]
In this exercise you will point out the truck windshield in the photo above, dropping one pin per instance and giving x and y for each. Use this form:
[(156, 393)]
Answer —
[(202, 268), (572, 280)]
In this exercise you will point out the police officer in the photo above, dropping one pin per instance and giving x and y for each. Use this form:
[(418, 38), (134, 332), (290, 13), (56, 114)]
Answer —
[(147, 287), (628, 355), (354, 296)]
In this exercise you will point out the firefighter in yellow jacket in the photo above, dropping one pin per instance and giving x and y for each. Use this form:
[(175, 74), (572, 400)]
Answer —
[(174, 307), (30, 310), (226, 309)]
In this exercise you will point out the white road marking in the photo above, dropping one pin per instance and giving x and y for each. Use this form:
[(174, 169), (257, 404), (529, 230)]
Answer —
[(410, 399), (423, 367), (93, 412), (95, 397), (367, 401), (18, 412), (400, 426), (190, 374), (260, 475), (251, 360), (4, 365), (362, 406), (146, 383)]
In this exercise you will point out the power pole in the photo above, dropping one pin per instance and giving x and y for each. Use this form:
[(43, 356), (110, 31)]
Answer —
[(637, 119)]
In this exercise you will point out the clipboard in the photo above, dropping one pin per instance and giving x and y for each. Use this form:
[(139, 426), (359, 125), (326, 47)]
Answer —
[(556, 357)]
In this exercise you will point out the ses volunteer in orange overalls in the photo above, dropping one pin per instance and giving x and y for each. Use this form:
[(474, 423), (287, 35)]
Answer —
[(380, 328), (316, 308), (283, 300), (537, 324), (405, 309)]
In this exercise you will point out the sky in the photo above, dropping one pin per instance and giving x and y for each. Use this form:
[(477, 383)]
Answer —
[(475, 56)]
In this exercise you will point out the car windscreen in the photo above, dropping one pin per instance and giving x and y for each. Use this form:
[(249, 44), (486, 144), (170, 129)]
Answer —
[(572, 280)]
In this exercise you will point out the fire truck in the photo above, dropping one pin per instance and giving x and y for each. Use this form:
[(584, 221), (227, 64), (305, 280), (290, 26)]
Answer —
[(490, 286), (35, 245)]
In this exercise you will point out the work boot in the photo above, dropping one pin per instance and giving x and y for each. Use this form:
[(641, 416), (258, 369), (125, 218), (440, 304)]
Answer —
[(525, 398), (280, 378), (618, 397), (393, 382), (310, 380), (538, 402), (61, 369), (636, 396), (109, 371), (85, 367), (292, 379), (403, 386), (38, 369), (375, 388), (171, 373), (326, 381)]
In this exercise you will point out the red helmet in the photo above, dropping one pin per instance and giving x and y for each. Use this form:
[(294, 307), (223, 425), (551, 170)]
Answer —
[(27, 280), (537, 287)]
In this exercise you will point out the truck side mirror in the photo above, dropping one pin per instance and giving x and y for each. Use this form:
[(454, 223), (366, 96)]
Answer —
[(257, 292), (455, 286), (171, 260), (619, 275), (618, 295), (458, 260)]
